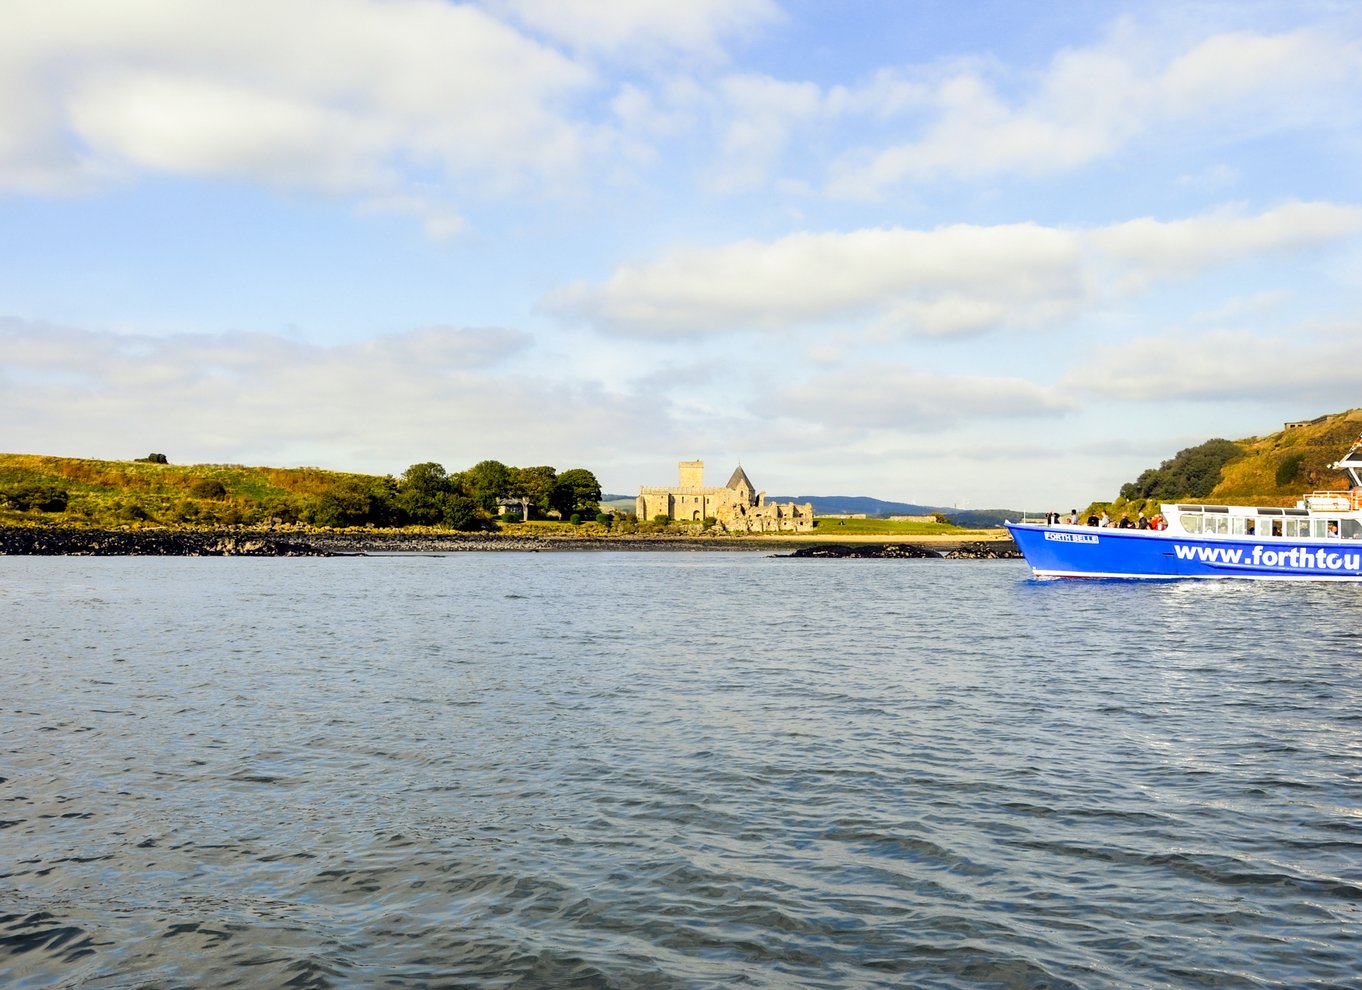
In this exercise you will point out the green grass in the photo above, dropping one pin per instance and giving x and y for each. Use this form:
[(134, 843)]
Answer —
[(883, 527)]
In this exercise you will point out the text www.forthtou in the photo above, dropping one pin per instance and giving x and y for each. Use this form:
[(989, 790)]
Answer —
[(1260, 556)]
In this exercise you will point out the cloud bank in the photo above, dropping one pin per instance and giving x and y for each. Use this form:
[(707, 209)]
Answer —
[(948, 281)]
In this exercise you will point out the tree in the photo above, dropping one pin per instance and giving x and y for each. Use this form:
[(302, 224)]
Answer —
[(427, 476), (423, 493), (535, 484), (577, 489), (486, 482), (461, 512), (355, 502)]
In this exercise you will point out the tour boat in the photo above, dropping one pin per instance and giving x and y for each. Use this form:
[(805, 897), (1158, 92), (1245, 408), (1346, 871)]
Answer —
[(1318, 540)]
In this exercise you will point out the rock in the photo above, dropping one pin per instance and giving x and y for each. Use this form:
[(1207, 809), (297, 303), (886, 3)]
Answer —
[(904, 551), (987, 550)]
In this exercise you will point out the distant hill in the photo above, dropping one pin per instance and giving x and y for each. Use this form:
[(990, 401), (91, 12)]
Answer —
[(826, 505), (620, 503)]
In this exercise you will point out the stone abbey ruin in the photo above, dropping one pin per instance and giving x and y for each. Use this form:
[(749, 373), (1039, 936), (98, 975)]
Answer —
[(738, 506)]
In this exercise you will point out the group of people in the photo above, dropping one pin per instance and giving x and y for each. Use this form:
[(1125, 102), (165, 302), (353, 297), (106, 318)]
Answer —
[(1104, 520)]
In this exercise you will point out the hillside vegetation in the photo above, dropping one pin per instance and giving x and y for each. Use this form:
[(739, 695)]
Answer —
[(37, 489), (1270, 470)]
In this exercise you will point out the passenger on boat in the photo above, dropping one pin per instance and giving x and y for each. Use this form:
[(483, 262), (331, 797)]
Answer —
[(1333, 527), (1125, 523), (1106, 520), (1073, 517), (1276, 527), (1143, 523), (1092, 519), (1248, 527)]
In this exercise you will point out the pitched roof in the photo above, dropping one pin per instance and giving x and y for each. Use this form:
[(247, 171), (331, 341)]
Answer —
[(740, 479)]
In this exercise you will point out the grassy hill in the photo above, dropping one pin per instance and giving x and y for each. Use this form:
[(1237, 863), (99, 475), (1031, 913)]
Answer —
[(120, 492), (1272, 470), (1280, 467)]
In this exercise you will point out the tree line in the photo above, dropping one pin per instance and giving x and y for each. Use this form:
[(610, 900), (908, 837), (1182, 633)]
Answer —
[(426, 495), (1191, 473)]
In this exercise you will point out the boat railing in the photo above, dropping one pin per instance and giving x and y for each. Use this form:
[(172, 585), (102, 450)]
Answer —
[(1349, 501)]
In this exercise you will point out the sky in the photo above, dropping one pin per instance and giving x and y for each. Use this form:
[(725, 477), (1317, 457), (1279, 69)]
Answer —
[(981, 254)]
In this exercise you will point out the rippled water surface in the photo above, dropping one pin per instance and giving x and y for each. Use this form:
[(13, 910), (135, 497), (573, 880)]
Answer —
[(673, 770)]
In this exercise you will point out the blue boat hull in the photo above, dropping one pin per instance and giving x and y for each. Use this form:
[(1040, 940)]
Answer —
[(1080, 551)]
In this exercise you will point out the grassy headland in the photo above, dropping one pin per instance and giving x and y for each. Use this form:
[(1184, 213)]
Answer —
[(68, 492), (1271, 470)]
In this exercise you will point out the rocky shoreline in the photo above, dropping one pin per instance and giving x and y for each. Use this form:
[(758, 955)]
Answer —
[(983, 550), (54, 541)]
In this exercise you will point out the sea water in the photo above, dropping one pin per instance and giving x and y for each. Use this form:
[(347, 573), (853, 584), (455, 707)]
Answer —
[(673, 770)]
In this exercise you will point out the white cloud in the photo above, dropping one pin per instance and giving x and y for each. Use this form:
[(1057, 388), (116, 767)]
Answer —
[(892, 397), (330, 95), (443, 393), (1312, 367), (1091, 103), (637, 31), (760, 114), (1155, 247), (949, 281), (1210, 179)]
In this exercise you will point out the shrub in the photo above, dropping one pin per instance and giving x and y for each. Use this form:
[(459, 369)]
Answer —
[(44, 498), (282, 508), (132, 512), (605, 519), (1289, 469), (153, 459), (575, 519), (208, 488), (710, 522), (185, 511), (661, 520), (461, 512)]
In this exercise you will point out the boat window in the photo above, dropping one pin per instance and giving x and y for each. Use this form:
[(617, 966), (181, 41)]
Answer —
[(1191, 522), (1216, 524), (1350, 529), (1325, 529), (1297, 527), (1240, 526)]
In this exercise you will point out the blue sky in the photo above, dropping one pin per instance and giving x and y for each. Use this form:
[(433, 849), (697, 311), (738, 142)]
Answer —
[(976, 254)]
